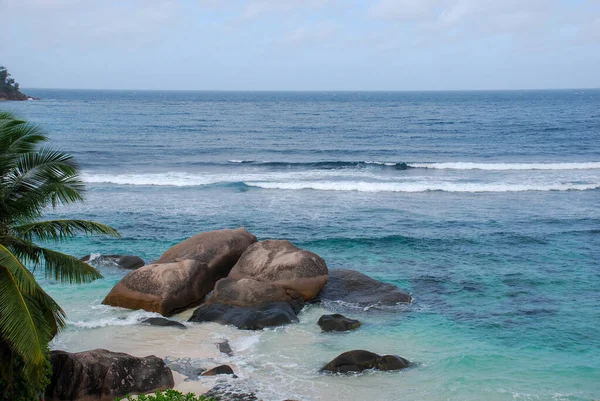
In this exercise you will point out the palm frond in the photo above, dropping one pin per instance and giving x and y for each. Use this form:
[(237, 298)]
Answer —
[(67, 269), (35, 170), (57, 266), (60, 230), (23, 324), (16, 137)]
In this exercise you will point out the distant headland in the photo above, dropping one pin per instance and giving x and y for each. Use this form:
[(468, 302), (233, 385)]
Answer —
[(9, 89)]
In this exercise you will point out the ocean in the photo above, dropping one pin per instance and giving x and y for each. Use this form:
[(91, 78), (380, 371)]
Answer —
[(485, 206)]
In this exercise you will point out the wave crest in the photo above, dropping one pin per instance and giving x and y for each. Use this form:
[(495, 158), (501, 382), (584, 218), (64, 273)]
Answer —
[(507, 166), (420, 187)]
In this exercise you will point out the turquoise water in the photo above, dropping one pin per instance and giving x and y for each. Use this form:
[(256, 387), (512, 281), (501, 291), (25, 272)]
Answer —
[(492, 225)]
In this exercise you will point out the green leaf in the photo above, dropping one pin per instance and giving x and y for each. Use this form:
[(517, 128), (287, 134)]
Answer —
[(59, 230), (23, 323)]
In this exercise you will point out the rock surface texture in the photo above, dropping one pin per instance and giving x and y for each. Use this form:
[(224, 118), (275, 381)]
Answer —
[(224, 392), (246, 292), (359, 289), (102, 375), (337, 322), (359, 360), (183, 275), (281, 263)]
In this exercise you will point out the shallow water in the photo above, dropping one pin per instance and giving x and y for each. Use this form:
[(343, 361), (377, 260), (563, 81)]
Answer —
[(493, 226)]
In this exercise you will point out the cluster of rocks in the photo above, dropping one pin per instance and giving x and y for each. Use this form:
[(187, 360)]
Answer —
[(232, 279)]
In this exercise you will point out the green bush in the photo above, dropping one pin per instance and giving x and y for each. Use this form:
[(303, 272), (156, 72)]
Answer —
[(20, 388), (169, 395)]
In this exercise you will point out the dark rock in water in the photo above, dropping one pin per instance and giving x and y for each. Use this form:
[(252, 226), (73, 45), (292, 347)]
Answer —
[(225, 348), (251, 293), (337, 322), (129, 262), (219, 370), (281, 263), (183, 275), (401, 166), (104, 375), (354, 287), (359, 360), (228, 393), (161, 321), (270, 315)]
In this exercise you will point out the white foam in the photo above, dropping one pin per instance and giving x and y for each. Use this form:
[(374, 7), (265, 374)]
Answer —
[(360, 186), (126, 320), (183, 179), (176, 179), (507, 166), (94, 256), (381, 163)]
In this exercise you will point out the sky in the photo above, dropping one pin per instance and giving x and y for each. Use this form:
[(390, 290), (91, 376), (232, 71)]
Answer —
[(302, 44)]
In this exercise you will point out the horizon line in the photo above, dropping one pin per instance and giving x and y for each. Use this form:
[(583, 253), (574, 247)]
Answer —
[(311, 90)]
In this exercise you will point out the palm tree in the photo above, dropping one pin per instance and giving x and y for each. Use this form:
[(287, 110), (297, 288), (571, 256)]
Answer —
[(33, 178)]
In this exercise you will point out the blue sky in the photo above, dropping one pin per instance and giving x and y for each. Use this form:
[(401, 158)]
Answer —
[(302, 44)]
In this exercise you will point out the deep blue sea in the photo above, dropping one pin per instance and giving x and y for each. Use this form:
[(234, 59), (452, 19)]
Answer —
[(484, 205)]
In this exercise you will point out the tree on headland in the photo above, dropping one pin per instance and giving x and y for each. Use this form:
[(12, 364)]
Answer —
[(32, 178), (9, 89)]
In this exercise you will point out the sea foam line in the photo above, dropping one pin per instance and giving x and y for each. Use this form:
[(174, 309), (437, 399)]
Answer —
[(419, 187), (507, 166), (129, 319)]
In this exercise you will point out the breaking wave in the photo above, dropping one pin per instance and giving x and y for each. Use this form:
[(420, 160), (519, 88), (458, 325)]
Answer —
[(421, 187)]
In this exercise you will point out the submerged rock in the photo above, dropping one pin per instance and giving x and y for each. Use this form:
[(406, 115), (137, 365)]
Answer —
[(128, 262), (281, 263), (228, 393), (357, 288), (225, 348), (183, 275), (161, 321), (359, 360), (269, 315), (337, 322), (188, 367), (104, 375)]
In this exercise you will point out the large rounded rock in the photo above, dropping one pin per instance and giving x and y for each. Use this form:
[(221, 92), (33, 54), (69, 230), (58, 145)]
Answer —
[(270, 315), (102, 375), (164, 288), (353, 287), (183, 275), (281, 263), (337, 322), (219, 250), (251, 293), (359, 360)]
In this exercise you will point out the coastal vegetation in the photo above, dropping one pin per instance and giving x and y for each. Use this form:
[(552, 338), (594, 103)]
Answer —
[(9, 89), (32, 178)]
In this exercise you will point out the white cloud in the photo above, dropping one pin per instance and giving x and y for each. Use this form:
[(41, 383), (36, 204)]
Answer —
[(258, 8), (319, 32)]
